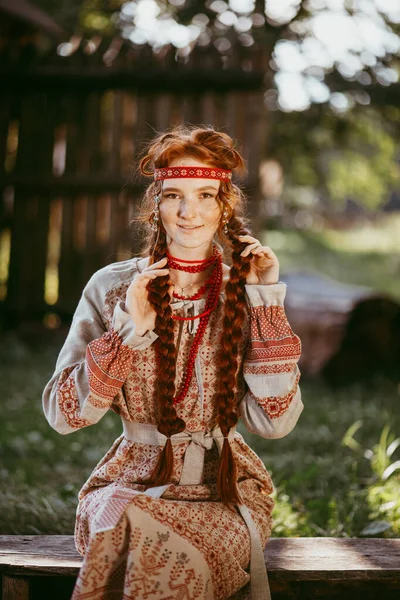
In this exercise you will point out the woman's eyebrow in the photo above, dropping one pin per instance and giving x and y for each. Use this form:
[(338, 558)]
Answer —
[(205, 187)]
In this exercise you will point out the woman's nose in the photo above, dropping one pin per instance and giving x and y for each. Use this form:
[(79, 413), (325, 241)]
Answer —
[(188, 208)]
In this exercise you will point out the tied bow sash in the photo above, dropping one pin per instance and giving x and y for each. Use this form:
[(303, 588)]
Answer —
[(200, 441)]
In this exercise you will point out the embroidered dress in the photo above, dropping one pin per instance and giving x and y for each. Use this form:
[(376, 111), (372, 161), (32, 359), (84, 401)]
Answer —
[(176, 541)]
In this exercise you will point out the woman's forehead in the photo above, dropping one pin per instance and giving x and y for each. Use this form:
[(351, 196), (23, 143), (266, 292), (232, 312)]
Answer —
[(192, 183)]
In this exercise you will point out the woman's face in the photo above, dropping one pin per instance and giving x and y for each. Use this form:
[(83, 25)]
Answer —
[(189, 209)]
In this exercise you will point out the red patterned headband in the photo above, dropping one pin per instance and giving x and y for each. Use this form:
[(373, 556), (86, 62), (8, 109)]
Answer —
[(188, 171)]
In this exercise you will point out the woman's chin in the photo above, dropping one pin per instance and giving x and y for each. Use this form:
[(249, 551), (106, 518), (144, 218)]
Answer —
[(191, 240)]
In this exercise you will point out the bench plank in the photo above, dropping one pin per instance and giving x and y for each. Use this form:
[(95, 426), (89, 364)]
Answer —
[(39, 555), (320, 558), (295, 559)]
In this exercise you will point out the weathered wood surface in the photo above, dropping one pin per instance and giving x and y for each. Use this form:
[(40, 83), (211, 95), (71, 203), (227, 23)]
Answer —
[(295, 559), (15, 588), (321, 558), (39, 555)]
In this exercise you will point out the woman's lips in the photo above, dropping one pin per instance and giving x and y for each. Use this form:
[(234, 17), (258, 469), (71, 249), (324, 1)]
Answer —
[(189, 228)]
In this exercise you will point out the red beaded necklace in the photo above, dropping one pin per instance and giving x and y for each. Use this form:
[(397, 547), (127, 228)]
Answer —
[(198, 265), (214, 284)]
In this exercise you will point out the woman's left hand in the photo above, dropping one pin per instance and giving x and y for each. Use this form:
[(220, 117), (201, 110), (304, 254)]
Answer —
[(264, 266)]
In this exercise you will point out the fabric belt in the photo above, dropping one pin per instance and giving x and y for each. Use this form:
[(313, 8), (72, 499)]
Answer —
[(192, 472)]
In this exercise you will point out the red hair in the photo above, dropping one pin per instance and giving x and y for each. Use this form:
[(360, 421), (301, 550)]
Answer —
[(216, 149)]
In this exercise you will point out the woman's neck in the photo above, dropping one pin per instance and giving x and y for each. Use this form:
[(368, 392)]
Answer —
[(184, 278)]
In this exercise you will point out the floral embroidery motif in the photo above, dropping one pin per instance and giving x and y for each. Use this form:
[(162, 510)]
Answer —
[(148, 563), (164, 173), (107, 363), (276, 406), (68, 401), (214, 530)]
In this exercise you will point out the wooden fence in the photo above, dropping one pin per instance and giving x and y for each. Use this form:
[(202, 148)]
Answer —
[(71, 128)]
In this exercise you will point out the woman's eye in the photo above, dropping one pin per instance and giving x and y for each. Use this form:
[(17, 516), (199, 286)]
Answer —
[(175, 195)]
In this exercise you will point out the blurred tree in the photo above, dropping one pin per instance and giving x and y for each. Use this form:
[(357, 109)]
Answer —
[(303, 32), (353, 154), (332, 87)]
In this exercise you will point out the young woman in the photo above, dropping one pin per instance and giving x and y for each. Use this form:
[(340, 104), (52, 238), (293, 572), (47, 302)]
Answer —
[(181, 346)]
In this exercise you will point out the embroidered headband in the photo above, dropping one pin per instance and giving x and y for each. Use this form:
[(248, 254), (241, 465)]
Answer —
[(188, 171)]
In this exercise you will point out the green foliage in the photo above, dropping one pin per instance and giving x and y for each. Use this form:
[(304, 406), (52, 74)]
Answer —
[(302, 171), (383, 489), (367, 169), (384, 502), (351, 155), (288, 518), (324, 484), (352, 176), (94, 18)]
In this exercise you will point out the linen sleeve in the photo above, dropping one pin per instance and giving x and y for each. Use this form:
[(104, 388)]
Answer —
[(272, 403), (93, 363)]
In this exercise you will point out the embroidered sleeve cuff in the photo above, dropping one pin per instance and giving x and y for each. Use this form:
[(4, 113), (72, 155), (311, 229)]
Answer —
[(125, 327), (266, 295)]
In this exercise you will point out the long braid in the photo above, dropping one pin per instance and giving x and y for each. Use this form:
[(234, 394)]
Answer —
[(214, 148), (164, 386), (232, 332)]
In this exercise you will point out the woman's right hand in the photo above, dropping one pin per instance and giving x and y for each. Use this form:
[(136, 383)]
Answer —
[(137, 303)]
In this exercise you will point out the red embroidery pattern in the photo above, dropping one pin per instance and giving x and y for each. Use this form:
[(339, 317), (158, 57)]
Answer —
[(67, 399), (276, 406), (139, 384), (131, 464), (269, 369), (272, 337), (217, 532), (108, 362), (131, 567), (173, 172)]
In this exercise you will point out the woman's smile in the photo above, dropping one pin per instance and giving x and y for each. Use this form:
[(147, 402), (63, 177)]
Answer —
[(189, 227)]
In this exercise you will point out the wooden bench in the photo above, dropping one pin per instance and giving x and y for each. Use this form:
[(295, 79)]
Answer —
[(43, 567)]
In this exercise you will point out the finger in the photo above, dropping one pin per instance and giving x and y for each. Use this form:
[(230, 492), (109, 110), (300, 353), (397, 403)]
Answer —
[(248, 249), (249, 238), (156, 265), (156, 273), (152, 274), (265, 249)]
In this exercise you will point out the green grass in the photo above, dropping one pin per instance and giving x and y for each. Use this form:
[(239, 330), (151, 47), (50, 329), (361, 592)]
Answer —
[(321, 473)]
